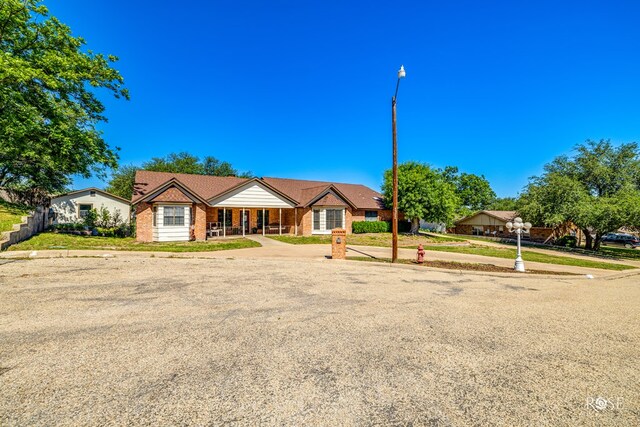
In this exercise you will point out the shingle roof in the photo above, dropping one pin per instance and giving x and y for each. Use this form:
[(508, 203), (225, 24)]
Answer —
[(501, 215), (205, 186), (302, 191)]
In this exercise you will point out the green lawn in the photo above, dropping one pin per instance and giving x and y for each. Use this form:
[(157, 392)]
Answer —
[(370, 239), (603, 252), (528, 256), (44, 241), (620, 252), (10, 214)]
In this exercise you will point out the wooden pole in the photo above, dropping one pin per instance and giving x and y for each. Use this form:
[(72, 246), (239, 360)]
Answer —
[(224, 222), (280, 221), (394, 213), (263, 221)]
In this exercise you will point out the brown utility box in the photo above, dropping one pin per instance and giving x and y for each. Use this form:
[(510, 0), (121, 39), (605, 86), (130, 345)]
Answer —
[(338, 243)]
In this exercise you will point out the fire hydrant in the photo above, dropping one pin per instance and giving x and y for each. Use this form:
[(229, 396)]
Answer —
[(420, 259)]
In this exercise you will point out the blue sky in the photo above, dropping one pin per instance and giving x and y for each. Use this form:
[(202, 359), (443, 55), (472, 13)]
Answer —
[(302, 89)]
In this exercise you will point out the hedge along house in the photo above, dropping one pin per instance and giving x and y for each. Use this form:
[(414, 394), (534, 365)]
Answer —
[(180, 207)]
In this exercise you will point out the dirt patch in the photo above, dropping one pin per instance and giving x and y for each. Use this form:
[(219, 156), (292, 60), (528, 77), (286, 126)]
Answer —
[(150, 341), (450, 265)]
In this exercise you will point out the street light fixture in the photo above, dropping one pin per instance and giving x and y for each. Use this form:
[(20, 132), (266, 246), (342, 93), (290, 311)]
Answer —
[(394, 213), (518, 227)]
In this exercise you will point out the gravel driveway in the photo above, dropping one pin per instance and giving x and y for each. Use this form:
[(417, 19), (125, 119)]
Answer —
[(138, 341)]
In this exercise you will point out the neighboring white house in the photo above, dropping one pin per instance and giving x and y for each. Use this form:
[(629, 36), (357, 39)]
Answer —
[(73, 207)]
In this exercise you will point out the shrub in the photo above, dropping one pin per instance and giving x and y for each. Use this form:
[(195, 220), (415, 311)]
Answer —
[(567, 241), (116, 218), (91, 218), (123, 230), (103, 219), (130, 228), (106, 232), (370, 227)]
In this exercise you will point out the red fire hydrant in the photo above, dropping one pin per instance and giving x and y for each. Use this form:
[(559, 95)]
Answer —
[(420, 259)]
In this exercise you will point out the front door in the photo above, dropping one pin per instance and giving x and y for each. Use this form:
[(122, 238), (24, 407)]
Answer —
[(246, 221)]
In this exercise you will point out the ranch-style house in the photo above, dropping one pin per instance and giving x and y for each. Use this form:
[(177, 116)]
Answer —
[(181, 207)]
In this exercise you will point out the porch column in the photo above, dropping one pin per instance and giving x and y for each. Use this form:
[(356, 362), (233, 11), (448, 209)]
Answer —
[(263, 218), (242, 222), (224, 222), (295, 220), (280, 221)]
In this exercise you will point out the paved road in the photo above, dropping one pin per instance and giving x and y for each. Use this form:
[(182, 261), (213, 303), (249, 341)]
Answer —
[(146, 341)]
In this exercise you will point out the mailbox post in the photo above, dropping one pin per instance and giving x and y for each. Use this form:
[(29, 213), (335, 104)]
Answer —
[(338, 243)]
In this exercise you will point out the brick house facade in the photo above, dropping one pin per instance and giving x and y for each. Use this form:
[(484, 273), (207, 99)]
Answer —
[(195, 207)]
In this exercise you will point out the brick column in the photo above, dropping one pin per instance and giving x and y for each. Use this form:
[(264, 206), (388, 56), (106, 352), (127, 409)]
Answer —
[(144, 222), (200, 221), (338, 243), (348, 220)]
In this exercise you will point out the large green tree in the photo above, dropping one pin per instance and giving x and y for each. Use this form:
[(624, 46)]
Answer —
[(423, 193), (48, 104), (122, 180), (597, 189), (474, 191), (503, 204)]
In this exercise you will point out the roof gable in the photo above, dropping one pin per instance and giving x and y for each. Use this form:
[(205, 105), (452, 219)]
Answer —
[(158, 194), (204, 186), (504, 216), (329, 199), (296, 192), (329, 196), (172, 194), (97, 190), (358, 196), (252, 194)]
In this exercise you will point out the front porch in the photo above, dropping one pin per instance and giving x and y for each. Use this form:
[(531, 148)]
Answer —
[(232, 221)]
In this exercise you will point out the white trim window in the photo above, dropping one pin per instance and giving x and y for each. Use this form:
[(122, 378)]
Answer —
[(173, 216), (326, 219), (370, 215), (83, 210)]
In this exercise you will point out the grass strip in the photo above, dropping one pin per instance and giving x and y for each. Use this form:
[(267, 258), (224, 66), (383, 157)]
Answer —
[(370, 239), (529, 256), (46, 241), (604, 251)]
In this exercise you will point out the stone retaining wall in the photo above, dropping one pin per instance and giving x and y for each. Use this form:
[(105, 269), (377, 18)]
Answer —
[(31, 224)]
